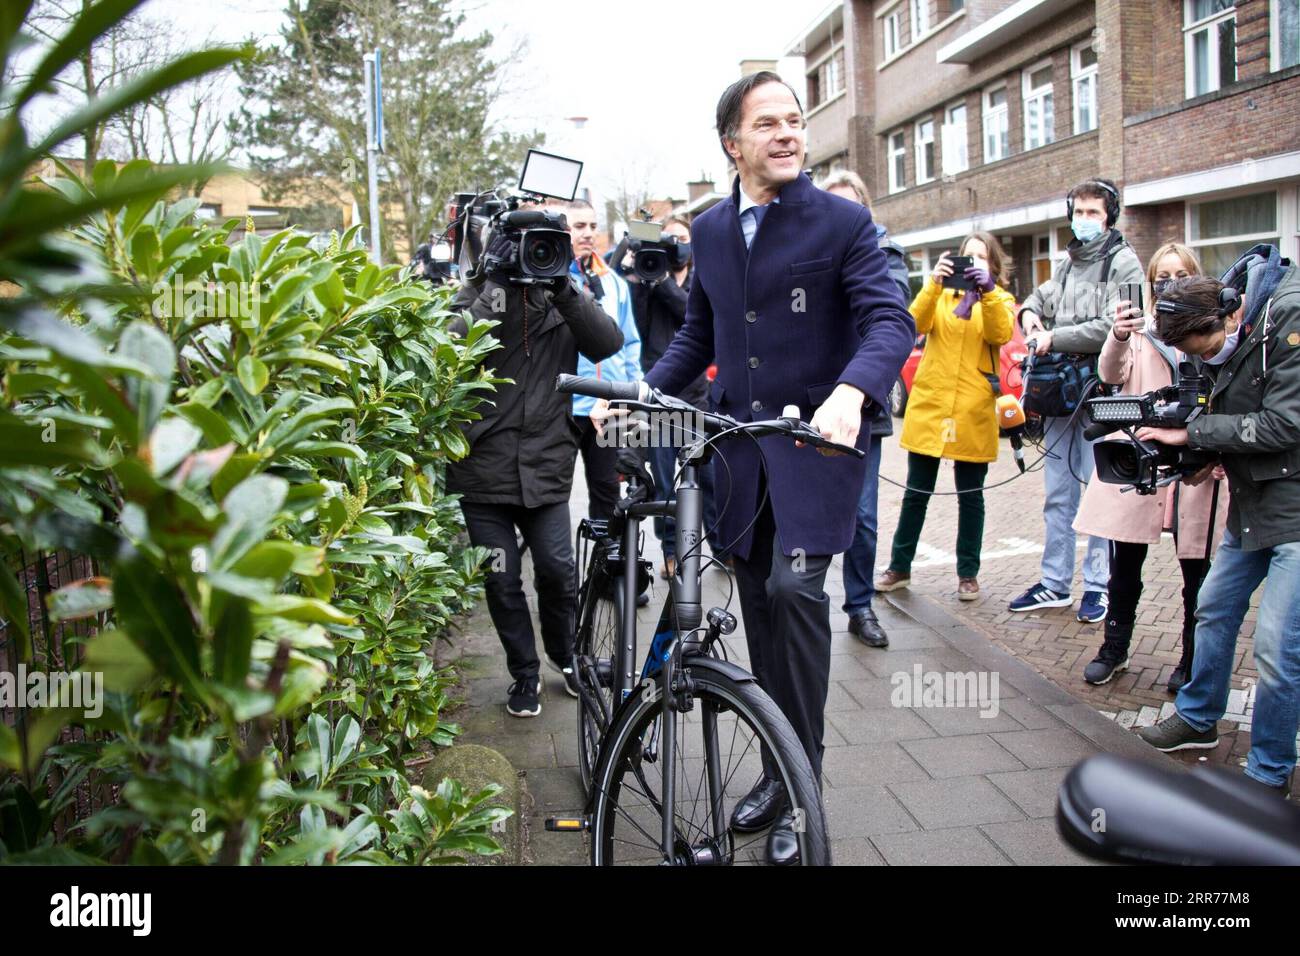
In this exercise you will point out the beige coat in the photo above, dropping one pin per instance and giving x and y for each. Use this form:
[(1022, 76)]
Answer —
[(1108, 512)]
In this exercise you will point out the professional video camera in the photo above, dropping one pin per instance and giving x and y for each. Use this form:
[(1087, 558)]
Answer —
[(655, 255), (538, 247), (1148, 465)]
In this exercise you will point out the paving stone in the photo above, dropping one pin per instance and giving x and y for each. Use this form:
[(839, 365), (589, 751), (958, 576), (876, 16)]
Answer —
[(879, 724), (1033, 791), (866, 764), (855, 851), (952, 847), (1034, 843), (865, 812), (955, 721), (961, 756), (555, 789), (1046, 748), (955, 802)]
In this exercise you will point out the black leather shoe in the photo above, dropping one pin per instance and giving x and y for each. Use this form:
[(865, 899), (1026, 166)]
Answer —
[(865, 627), (643, 599), (782, 844), (758, 808)]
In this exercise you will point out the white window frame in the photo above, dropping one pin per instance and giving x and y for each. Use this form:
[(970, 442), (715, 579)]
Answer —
[(1079, 76), (815, 69), (1209, 25), (919, 11), (892, 154), (988, 113), (1275, 35), (1042, 94), (1279, 217), (954, 148), (919, 148), (893, 18)]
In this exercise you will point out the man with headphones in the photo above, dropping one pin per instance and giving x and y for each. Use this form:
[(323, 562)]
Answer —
[(1245, 332), (1072, 313)]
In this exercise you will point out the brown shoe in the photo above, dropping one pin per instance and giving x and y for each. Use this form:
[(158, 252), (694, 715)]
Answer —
[(666, 572), (891, 580), (968, 589)]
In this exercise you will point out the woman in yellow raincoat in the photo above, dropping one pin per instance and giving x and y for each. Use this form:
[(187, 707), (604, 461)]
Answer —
[(950, 412)]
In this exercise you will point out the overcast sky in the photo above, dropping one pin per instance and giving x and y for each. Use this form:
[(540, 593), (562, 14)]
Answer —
[(646, 74)]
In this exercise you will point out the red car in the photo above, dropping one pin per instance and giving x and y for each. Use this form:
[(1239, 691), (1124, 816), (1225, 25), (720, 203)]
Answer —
[(1012, 354)]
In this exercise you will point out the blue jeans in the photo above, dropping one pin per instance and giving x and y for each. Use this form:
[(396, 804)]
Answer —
[(1224, 598), (1070, 456), (860, 559)]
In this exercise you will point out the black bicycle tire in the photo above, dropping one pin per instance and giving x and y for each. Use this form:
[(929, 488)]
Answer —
[(590, 608), (764, 716)]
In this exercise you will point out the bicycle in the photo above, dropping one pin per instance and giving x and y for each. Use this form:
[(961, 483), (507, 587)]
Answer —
[(649, 802)]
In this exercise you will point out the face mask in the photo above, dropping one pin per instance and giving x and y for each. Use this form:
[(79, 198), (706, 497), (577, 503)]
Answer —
[(681, 254), (1229, 346), (1085, 230)]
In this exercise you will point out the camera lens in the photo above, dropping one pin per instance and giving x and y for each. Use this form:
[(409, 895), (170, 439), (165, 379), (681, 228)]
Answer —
[(651, 264)]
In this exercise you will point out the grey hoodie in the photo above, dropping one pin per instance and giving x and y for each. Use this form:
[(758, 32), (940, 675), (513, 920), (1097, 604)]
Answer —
[(1073, 304)]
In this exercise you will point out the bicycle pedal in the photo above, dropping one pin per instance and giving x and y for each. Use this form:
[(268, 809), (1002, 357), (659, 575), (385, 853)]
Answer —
[(566, 824)]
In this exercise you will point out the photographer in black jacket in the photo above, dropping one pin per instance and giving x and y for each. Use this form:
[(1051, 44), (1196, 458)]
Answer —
[(519, 471), (660, 309)]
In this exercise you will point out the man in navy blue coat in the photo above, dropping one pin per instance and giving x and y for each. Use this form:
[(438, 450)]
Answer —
[(793, 297)]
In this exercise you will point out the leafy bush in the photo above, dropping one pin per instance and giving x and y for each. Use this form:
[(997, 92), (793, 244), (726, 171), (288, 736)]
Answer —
[(247, 438)]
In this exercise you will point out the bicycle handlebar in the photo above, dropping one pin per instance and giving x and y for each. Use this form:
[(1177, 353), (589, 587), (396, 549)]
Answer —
[(630, 394)]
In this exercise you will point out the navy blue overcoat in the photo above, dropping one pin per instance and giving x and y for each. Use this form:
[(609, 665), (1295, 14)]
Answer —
[(809, 306)]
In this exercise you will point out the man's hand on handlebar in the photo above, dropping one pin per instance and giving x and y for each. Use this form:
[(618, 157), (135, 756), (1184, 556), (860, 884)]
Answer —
[(839, 419)]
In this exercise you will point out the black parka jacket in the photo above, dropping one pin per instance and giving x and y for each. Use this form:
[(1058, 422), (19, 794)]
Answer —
[(523, 448)]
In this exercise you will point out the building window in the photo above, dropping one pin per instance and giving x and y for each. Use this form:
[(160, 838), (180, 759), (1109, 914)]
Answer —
[(1083, 73), (897, 162), (955, 158), (924, 151), (1221, 230), (1286, 33), (1040, 127), (920, 18), (1210, 45), (826, 81), (892, 31), (995, 124)]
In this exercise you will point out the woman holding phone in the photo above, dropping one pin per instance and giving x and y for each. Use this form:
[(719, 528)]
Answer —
[(950, 413), (1135, 360)]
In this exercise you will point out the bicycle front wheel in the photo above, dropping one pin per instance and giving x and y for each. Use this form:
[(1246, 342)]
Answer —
[(593, 664), (718, 748)]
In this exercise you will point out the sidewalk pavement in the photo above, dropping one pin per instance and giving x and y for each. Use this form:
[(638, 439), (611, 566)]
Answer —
[(903, 785)]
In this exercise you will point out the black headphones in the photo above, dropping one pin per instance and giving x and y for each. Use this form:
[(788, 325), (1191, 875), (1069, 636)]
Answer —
[(1112, 201), (1229, 302)]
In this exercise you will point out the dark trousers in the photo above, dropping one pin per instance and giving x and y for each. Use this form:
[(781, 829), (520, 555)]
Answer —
[(546, 534), (860, 559), (1125, 588), (599, 462), (922, 473), (787, 616)]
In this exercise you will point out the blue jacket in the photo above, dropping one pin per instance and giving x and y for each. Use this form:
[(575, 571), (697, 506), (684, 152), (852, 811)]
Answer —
[(811, 305), (625, 364)]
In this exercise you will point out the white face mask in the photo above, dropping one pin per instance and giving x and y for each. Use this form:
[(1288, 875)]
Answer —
[(1229, 346)]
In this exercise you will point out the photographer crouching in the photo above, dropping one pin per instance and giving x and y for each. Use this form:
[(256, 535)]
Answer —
[(519, 472), (1246, 332)]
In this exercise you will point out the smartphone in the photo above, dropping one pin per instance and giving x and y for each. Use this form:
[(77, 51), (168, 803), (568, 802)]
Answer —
[(1132, 292), (958, 278)]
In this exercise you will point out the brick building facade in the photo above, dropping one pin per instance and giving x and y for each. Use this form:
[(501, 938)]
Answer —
[(980, 115)]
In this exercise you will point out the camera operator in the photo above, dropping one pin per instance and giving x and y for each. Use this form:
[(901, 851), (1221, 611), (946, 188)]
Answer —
[(1072, 313), (599, 455), (1246, 331), (1137, 362), (660, 309), (519, 471)]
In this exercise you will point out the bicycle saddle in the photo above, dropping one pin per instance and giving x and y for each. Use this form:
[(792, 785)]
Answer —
[(1121, 809)]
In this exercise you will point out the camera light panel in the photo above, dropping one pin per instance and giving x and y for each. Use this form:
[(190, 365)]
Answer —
[(546, 174)]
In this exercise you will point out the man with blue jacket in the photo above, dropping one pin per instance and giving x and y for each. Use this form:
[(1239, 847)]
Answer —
[(792, 295), (611, 291)]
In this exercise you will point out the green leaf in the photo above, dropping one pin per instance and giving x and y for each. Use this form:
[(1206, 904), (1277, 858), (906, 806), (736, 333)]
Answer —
[(328, 290), (169, 444), (124, 665), (253, 374), (148, 345), (251, 507), (80, 599), (13, 604), (232, 641), (11, 754), (297, 608), (158, 621)]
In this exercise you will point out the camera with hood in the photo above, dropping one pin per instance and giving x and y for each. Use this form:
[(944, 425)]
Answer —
[(1148, 465), (654, 254), (492, 234)]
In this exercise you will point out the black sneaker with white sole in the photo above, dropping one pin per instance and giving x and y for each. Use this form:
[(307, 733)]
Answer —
[(523, 701), (570, 678), (1110, 660)]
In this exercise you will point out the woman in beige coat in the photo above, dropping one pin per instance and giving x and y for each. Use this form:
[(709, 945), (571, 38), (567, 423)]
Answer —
[(1138, 362)]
